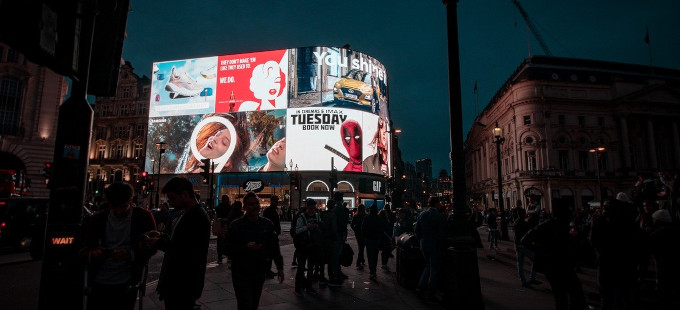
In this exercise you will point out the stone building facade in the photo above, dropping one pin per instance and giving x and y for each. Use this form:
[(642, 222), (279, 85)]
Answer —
[(553, 112), (118, 143), (30, 96)]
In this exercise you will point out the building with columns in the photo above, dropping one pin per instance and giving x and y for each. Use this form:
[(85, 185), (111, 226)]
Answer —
[(118, 143), (30, 96), (571, 126)]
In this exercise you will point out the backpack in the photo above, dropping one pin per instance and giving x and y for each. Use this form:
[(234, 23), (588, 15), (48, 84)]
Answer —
[(293, 224)]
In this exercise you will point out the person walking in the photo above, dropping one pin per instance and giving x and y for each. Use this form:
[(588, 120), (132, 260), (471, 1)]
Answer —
[(387, 242), (356, 224), (431, 231), (272, 213), (329, 233), (615, 237), (221, 213), (550, 242), (373, 231), (492, 225), (116, 249), (307, 242), (251, 243), (182, 275), (521, 227), (342, 217)]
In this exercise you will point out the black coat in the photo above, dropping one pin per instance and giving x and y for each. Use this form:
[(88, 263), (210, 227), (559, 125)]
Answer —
[(186, 255), (142, 221)]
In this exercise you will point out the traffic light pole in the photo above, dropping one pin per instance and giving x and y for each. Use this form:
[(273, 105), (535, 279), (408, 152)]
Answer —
[(61, 283)]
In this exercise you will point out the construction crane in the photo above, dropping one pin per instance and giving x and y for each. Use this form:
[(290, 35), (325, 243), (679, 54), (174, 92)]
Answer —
[(533, 29)]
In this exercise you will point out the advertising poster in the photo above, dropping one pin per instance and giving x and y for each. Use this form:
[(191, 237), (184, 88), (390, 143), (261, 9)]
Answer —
[(260, 111), (336, 77), (252, 82), (183, 87), (350, 137), (235, 142)]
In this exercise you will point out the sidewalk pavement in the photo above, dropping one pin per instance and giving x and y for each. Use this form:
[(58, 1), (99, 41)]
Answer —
[(500, 285)]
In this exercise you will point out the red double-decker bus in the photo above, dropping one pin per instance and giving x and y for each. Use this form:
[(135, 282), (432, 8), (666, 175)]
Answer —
[(12, 183)]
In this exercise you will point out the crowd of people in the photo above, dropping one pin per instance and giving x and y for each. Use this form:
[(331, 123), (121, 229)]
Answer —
[(629, 241)]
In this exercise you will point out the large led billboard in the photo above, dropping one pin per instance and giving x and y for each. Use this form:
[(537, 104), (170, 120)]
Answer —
[(292, 109)]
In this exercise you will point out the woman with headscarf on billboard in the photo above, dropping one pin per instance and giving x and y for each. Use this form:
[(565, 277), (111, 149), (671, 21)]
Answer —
[(221, 137), (377, 163)]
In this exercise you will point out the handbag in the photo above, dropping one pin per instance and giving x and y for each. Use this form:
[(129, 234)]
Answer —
[(346, 256), (219, 229)]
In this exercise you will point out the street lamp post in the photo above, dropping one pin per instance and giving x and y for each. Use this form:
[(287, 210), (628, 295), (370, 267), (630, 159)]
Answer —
[(161, 150), (598, 155), (498, 140)]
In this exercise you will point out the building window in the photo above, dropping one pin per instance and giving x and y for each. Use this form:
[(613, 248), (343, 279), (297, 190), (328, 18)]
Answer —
[(12, 56), (563, 159), (101, 152), (11, 90), (600, 121), (125, 93), (527, 119), (145, 91), (603, 162), (138, 150), (140, 130), (142, 108), (583, 160), (122, 132), (562, 140), (118, 151), (581, 120), (561, 120), (124, 109), (531, 160), (101, 133)]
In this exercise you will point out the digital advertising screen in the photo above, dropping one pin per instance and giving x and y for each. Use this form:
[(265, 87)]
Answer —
[(263, 111)]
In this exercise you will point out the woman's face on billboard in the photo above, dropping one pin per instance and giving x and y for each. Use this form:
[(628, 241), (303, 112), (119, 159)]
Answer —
[(216, 145), (277, 153)]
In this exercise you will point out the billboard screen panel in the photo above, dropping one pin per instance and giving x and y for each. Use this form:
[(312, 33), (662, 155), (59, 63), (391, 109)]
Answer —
[(262, 111)]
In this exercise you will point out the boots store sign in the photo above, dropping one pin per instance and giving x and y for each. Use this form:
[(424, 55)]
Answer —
[(259, 111), (255, 186)]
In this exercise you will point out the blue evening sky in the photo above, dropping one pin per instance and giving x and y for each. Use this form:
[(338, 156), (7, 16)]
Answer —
[(409, 38)]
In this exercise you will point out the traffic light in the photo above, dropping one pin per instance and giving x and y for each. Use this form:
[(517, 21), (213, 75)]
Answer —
[(206, 170), (47, 173), (294, 181), (334, 179)]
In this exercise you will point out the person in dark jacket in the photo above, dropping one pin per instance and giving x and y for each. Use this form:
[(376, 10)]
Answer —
[(182, 275), (387, 238), (116, 249), (272, 213), (520, 228), (307, 245), (615, 238), (372, 229), (221, 213), (356, 224), (251, 243), (329, 233), (431, 231), (550, 242)]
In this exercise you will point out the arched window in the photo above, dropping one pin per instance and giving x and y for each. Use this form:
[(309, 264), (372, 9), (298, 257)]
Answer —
[(11, 90)]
